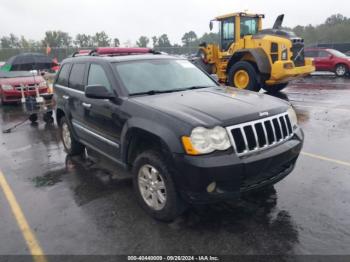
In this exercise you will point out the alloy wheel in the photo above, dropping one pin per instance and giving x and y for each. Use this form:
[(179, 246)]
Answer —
[(67, 141), (152, 187)]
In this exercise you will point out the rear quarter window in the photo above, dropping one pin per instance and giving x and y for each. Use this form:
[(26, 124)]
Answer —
[(76, 78), (62, 78)]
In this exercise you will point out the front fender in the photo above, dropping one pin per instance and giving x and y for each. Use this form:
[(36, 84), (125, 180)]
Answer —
[(165, 134), (259, 56)]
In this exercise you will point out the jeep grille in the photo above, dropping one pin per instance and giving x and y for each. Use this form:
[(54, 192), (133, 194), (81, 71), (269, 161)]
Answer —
[(254, 136)]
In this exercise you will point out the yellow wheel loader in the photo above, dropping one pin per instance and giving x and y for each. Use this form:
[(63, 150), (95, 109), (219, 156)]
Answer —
[(251, 58)]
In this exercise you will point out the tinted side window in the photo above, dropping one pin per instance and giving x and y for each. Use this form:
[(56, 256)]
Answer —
[(76, 78), (63, 76), (97, 76)]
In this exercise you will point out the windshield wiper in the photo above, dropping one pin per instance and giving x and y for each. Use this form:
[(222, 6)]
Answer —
[(153, 92), (194, 87)]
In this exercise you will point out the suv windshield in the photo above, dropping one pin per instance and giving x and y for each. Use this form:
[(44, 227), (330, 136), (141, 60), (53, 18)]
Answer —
[(163, 75)]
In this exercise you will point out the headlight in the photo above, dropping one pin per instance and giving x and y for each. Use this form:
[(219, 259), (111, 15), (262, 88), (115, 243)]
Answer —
[(7, 87), (42, 84), (292, 117), (284, 54), (204, 141)]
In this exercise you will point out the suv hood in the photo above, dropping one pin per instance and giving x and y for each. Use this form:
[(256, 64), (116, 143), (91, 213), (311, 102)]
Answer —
[(215, 106)]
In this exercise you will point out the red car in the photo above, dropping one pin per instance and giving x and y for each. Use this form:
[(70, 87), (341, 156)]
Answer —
[(11, 82), (329, 60)]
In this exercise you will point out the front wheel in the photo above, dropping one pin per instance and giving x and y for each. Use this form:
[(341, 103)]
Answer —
[(155, 188), (341, 70), (275, 88), (243, 75), (71, 145)]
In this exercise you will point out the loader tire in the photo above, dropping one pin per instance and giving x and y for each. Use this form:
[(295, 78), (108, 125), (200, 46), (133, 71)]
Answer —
[(243, 75)]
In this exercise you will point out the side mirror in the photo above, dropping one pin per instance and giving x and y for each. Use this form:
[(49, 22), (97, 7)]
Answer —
[(98, 92), (211, 25), (215, 77)]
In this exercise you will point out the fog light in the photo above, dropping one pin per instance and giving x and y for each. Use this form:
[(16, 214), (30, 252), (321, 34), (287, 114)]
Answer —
[(211, 187)]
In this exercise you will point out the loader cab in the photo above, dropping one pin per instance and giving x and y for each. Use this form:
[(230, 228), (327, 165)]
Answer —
[(234, 27)]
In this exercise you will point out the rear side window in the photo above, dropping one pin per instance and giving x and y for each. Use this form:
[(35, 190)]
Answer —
[(76, 78), (63, 76), (97, 76)]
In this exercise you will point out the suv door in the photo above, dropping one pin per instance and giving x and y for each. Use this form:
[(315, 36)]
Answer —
[(76, 85), (62, 92), (102, 117)]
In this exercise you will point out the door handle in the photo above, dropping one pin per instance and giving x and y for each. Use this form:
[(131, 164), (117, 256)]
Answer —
[(86, 105), (65, 97)]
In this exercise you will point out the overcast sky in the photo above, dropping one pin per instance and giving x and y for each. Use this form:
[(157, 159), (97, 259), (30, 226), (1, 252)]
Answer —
[(129, 19)]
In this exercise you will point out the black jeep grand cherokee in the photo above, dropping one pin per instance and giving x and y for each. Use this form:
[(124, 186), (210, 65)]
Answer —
[(185, 137)]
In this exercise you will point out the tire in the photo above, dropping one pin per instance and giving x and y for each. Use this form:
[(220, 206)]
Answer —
[(341, 70), (275, 88), (33, 118), (166, 208), (71, 145), (48, 118), (243, 75)]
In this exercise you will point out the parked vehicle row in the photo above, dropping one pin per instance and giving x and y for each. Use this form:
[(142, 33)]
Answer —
[(185, 138)]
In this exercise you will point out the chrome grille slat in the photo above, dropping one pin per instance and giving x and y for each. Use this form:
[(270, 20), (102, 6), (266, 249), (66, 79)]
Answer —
[(285, 124), (256, 137), (245, 139), (273, 131), (265, 133), (281, 130), (246, 146)]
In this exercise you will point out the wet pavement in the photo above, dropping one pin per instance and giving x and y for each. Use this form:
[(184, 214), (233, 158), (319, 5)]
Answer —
[(77, 207)]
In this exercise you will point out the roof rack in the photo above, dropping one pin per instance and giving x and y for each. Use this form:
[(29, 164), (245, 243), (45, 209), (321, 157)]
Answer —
[(114, 51)]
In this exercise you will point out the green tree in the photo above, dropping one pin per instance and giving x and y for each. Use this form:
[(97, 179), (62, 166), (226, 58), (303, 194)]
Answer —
[(209, 38), (116, 42), (83, 40), (189, 38), (101, 39), (57, 39), (335, 29), (14, 41), (143, 41), (155, 41), (24, 43), (163, 41), (5, 42)]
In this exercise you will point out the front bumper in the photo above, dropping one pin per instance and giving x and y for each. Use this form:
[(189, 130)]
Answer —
[(281, 75), (234, 175), (15, 95)]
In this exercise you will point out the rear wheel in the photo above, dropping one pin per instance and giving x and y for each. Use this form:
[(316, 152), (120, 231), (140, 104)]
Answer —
[(71, 145), (341, 70), (275, 88), (155, 188), (243, 75)]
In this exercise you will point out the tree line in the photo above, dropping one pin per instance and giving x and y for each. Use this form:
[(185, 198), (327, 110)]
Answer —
[(335, 29), (59, 39)]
